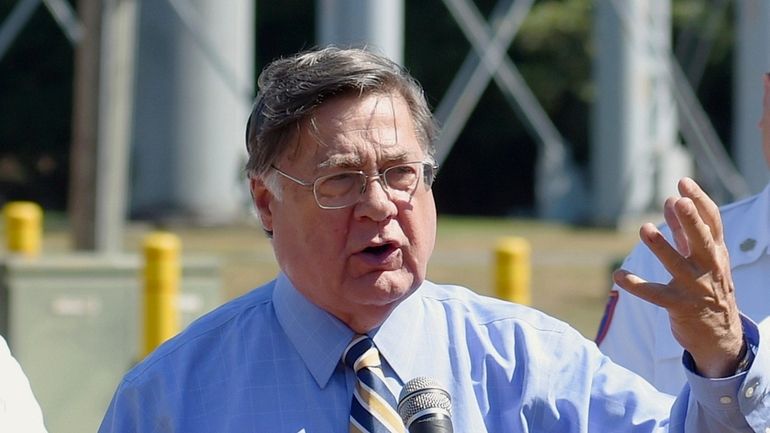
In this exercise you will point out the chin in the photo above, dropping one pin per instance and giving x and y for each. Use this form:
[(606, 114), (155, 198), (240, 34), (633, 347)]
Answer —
[(386, 288), (397, 281), (376, 296)]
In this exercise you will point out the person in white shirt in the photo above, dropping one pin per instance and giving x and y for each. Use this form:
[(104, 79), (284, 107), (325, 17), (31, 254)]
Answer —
[(637, 335), (19, 411)]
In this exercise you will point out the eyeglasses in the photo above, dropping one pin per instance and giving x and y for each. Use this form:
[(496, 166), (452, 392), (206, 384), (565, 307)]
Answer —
[(344, 189)]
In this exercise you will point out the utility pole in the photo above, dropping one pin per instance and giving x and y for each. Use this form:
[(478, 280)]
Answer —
[(378, 25), (751, 60), (85, 121), (194, 91), (104, 72), (636, 155)]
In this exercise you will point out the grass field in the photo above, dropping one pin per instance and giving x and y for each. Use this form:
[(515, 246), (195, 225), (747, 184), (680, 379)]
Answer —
[(570, 266)]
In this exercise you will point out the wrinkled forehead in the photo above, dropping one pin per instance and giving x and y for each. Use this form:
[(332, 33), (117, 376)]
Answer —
[(366, 115), (353, 124)]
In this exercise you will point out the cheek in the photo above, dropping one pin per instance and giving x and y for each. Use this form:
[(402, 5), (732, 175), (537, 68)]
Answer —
[(300, 229), (327, 240), (323, 236), (421, 230), (428, 240), (309, 249), (315, 233)]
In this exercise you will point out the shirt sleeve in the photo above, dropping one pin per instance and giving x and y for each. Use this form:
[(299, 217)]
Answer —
[(727, 403), (620, 399)]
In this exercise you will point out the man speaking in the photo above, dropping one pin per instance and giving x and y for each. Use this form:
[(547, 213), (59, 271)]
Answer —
[(340, 165)]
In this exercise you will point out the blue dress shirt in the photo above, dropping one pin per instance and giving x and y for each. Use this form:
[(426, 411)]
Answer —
[(269, 361)]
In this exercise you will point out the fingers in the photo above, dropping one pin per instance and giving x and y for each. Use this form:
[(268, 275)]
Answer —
[(670, 258), (655, 293), (680, 239), (707, 213), (697, 231), (700, 295), (701, 242), (706, 208)]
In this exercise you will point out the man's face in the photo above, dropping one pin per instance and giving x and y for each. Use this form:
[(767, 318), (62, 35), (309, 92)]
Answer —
[(358, 262), (764, 122)]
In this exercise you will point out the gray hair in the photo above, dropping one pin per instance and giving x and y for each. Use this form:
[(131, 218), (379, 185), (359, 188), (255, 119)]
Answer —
[(291, 89)]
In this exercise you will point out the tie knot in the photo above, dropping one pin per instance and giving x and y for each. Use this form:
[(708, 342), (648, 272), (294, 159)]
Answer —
[(361, 353)]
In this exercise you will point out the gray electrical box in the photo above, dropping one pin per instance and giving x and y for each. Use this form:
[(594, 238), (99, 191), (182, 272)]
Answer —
[(74, 324)]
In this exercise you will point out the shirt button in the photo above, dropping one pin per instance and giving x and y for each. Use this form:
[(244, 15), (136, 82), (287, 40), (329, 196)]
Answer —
[(750, 393), (725, 399)]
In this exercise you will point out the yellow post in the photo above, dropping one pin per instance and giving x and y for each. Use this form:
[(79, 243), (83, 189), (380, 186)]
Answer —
[(23, 227), (513, 270), (161, 288)]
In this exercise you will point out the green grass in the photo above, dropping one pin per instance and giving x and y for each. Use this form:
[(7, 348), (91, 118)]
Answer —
[(569, 266)]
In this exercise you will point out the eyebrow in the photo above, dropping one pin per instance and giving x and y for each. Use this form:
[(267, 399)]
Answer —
[(341, 161), (352, 161)]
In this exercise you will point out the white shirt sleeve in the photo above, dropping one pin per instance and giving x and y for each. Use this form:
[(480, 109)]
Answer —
[(19, 411)]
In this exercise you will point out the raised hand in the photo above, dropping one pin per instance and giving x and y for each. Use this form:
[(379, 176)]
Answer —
[(700, 298)]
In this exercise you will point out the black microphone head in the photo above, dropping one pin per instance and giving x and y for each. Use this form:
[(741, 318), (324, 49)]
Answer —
[(424, 397)]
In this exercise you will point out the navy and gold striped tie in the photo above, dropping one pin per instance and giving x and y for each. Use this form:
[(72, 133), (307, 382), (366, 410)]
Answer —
[(373, 407)]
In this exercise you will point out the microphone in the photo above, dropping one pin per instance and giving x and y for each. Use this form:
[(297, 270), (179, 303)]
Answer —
[(425, 406)]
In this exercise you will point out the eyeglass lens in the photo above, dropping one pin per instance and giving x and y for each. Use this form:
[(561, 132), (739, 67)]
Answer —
[(344, 189)]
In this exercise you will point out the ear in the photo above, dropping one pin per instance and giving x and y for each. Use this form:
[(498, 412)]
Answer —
[(263, 200)]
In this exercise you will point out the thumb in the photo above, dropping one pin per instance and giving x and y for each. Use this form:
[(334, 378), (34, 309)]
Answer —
[(655, 293)]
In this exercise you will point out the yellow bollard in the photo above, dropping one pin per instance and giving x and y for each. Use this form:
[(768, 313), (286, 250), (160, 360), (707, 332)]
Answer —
[(23, 227), (513, 270), (161, 289)]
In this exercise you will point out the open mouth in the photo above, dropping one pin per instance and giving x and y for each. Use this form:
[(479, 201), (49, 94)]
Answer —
[(382, 257), (379, 250)]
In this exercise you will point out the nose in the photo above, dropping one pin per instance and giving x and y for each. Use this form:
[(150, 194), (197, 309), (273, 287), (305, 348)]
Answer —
[(380, 178), (376, 202)]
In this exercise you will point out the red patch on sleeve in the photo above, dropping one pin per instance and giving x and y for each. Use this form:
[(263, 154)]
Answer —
[(609, 311)]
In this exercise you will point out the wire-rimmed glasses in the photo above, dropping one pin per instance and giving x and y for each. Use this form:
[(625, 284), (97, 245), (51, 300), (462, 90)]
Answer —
[(344, 189)]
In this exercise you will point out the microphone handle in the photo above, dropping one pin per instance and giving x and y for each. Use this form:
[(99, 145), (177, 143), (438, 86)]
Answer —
[(431, 424)]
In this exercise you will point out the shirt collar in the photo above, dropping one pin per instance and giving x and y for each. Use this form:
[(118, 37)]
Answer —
[(748, 240), (319, 337), (398, 339)]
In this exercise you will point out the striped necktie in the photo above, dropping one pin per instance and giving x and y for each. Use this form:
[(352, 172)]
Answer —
[(373, 407)]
